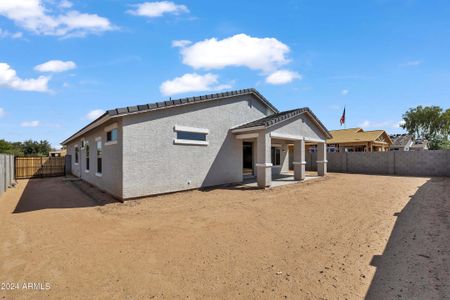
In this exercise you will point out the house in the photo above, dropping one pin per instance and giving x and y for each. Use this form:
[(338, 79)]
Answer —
[(358, 140), (193, 142), (401, 142), (419, 145), (58, 153)]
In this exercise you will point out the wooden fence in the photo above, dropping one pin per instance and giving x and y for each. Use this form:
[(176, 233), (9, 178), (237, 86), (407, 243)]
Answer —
[(36, 166)]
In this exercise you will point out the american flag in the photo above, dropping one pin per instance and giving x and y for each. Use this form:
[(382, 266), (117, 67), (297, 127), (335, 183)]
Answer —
[(343, 118)]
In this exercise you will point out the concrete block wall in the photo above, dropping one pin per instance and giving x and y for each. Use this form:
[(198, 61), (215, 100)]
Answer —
[(406, 163), (6, 172)]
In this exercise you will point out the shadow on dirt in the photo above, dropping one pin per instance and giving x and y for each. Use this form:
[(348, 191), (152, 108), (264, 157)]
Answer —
[(56, 192), (416, 261)]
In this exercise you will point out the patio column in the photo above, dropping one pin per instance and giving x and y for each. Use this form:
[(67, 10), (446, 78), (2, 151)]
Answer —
[(322, 159), (299, 160), (263, 160)]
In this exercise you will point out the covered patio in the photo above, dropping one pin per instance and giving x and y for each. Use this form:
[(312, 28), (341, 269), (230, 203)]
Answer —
[(266, 145)]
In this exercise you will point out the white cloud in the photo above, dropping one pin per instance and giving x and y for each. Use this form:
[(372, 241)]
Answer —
[(345, 92), (2, 112), (7, 34), (94, 114), (265, 54), (379, 124), (158, 9), (32, 124), (192, 82), (282, 77), (365, 124), (65, 4), (56, 66), (33, 16), (180, 43), (411, 63), (9, 79), (400, 123)]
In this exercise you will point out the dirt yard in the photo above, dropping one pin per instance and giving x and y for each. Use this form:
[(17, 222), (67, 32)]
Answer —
[(342, 237)]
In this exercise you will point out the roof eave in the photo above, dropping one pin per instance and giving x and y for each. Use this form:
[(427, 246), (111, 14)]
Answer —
[(97, 122)]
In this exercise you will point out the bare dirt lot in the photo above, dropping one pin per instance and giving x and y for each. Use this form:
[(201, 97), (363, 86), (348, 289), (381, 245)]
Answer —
[(342, 237)]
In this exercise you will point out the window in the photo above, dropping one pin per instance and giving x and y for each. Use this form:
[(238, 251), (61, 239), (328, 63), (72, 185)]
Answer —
[(82, 144), (193, 136), (87, 157), (76, 154), (276, 156), (190, 135), (99, 157), (111, 135)]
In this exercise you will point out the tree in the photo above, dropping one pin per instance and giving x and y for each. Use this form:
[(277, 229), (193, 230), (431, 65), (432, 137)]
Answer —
[(430, 123), (28, 148)]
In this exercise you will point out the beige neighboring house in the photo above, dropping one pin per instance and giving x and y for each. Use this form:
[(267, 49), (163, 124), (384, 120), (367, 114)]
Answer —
[(358, 140), (58, 153)]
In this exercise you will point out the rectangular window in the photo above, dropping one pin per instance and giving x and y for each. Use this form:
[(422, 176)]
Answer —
[(111, 135), (76, 154), (276, 156), (82, 144), (99, 157), (192, 136), (87, 157)]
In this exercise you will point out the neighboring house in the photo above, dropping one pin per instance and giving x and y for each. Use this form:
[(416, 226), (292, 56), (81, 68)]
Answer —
[(193, 142), (357, 140), (419, 145), (401, 142), (58, 153)]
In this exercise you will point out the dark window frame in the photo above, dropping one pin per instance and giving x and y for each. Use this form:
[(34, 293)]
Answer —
[(87, 148), (111, 135), (77, 154), (191, 136), (99, 151), (276, 156)]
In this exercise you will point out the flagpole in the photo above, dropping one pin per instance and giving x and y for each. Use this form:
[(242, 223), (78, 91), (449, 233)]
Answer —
[(345, 123)]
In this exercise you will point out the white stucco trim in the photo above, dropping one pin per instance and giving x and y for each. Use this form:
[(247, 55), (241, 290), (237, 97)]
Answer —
[(276, 145), (285, 136), (299, 162), (247, 129), (191, 129), (190, 142), (322, 161), (110, 143), (86, 171), (266, 165), (99, 138), (98, 174), (313, 140), (111, 127), (247, 136)]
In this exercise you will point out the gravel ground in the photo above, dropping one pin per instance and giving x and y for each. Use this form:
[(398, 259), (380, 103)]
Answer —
[(341, 237)]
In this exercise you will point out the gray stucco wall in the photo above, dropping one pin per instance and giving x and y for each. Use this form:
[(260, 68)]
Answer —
[(153, 164), (111, 178), (6, 172), (301, 126), (408, 163), (284, 157)]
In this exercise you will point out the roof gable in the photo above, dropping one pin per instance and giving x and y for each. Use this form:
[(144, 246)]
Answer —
[(281, 117)]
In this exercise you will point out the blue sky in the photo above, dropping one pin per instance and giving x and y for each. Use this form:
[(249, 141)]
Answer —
[(63, 62)]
